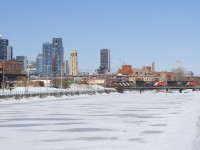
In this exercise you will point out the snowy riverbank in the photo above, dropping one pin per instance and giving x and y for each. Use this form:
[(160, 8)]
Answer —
[(20, 93)]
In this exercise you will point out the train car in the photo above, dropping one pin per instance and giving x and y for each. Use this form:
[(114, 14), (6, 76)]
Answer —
[(114, 84), (149, 84), (144, 83), (159, 84), (122, 84), (180, 83), (191, 83)]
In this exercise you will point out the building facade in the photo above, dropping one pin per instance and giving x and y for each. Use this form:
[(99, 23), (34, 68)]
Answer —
[(6, 51), (73, 63), (126, 70), (23, 59), (10, 69), (31, 68)]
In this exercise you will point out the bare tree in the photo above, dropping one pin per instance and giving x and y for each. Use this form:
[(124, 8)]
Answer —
[(179, 74)]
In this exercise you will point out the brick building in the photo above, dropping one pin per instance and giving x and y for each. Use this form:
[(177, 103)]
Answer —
[(11, 70), (126, 70)]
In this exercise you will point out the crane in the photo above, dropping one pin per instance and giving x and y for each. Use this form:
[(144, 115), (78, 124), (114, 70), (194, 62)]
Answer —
[(121, 61)]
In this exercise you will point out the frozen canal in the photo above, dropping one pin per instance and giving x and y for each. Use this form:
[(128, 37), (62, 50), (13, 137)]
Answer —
[(130, 121)]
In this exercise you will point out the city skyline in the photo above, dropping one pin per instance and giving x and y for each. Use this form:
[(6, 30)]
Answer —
[(136, 32)]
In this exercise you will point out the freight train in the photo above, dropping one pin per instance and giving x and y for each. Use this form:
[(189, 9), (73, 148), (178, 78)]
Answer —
[(154, 84)]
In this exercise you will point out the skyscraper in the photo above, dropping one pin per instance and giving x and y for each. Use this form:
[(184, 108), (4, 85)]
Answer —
[(53, 58), (6, 51), (73, 63), (66, 67), (23, 59), (104, 61), (47, 56), (39, 64), (57, 49), (31, 68), (9, 53)]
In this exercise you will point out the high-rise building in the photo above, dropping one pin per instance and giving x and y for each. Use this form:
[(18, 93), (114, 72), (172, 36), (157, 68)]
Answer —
[(58, 57), (73, 63), (39, 64), (47, 55), (23, 59), (9, 53), (6, 51), (53, 56), (31, 68), (104, 62), (66, 67)]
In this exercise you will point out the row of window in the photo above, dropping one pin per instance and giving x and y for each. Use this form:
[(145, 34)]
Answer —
[(15, 66), (12, 71)]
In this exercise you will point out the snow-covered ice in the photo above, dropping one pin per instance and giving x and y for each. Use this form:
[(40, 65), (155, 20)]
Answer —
[(129, 121)]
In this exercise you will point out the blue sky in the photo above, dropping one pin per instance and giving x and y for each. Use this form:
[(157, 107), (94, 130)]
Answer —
[(136, 31)]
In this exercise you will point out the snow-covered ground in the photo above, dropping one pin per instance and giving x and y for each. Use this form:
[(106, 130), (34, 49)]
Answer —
[(71, 87), (129, 121)]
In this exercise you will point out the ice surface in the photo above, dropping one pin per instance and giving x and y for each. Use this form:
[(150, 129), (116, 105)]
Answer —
[(129, 121)]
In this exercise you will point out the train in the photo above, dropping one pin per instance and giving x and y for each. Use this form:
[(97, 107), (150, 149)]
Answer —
[(154, 84)]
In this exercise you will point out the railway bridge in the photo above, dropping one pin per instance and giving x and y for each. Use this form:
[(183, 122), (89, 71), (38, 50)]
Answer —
[(129, 86)]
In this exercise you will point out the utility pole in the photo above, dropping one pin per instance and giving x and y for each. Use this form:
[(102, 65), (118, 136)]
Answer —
[(3, 75)]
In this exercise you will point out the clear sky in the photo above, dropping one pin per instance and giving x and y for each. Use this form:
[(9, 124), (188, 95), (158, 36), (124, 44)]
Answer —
[(136, 31)]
